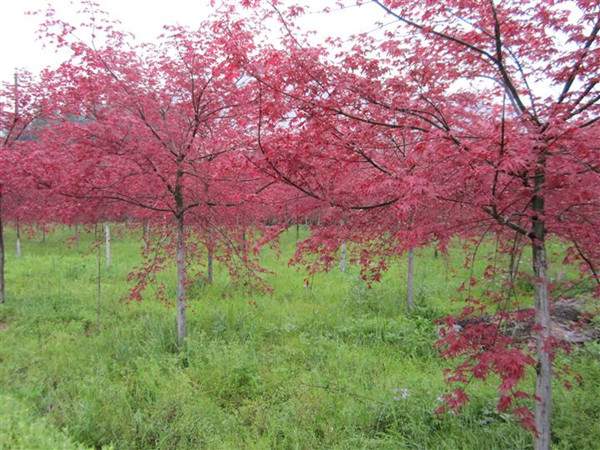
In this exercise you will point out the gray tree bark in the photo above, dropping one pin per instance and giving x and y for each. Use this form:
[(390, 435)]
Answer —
[(343, 256), (543, 385), (107, 249), (18, 241), (209, 266), (410, 280), (181, 280), (77, 235), (145, 231), (2, 289), (98, 275)]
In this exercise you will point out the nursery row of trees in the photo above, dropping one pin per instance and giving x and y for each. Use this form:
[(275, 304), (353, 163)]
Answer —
[(454, 119)]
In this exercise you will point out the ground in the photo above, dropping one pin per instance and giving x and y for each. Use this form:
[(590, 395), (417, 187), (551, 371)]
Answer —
[(334, 366)]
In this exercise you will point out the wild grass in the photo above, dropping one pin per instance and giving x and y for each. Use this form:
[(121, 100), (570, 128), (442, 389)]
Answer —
[(337, 365)]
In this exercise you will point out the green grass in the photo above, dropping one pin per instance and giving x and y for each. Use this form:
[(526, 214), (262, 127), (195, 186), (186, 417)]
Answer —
[(299, 368)]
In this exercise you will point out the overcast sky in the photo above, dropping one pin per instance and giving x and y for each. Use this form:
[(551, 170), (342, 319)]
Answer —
[(143, 18)]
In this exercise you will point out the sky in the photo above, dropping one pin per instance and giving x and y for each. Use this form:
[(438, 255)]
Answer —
[(21, 50)]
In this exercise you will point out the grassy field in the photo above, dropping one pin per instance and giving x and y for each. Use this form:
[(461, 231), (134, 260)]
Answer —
[(334, 366)]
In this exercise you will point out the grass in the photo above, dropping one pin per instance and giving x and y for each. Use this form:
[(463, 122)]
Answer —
[(334, 366)]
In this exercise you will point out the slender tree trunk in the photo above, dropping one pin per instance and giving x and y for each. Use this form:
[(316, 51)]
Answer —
[(98, 275), (512, 267), (18, 242), (514, 263), (543, 385), (2, 290), (181, 280), (543, 388), (297, 231), (209, 265), (145, 231), (410, 280), (107, 250), (43, 233), (343, 255), (77, 236), (515, 259), (446, 257)]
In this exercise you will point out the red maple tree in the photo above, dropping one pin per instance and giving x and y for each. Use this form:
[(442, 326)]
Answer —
[(159, 127), (484, 113)]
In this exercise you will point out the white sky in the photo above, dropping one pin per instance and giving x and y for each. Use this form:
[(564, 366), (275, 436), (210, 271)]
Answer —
[(20, 49)]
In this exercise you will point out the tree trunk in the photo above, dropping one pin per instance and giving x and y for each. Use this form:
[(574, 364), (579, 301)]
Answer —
[(543, 388), (2, 290), (209, 265), (446, 257), (18, 241), (145, 231), (410, 280), (297, 232), (543, 385), (343, 257), (98, 275), (107, 252), (181, 280), (77, 236)]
